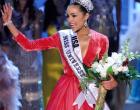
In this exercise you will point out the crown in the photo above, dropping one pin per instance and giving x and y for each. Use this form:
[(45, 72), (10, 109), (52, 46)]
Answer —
[(85, 3)]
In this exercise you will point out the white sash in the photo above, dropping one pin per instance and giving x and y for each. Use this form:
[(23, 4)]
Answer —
[(69, 40), (76, 47)]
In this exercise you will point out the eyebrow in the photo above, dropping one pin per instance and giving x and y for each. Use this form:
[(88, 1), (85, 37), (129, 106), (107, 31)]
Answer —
[(71, 14)]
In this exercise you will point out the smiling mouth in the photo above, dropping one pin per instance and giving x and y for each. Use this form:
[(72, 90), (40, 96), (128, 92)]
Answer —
[(72, 26)]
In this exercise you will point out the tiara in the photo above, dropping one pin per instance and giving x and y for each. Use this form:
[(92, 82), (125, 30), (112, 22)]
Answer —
[(85, 3)]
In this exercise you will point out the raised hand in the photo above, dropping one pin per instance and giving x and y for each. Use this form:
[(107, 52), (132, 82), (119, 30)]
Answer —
[(7, 13)]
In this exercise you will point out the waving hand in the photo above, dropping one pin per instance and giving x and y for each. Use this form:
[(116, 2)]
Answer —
[(7, 16), (6, 13)]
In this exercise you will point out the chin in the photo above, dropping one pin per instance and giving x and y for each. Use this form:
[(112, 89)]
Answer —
[(74, 30)]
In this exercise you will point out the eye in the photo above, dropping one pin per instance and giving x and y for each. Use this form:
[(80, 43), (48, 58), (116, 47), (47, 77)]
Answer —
[(67, 16), (74, 16)]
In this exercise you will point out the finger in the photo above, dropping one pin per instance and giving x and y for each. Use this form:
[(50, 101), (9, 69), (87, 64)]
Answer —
[(5, 7), (110, 76), (107, 87), (106, 82), (9, 7), (110, 85), (2, 12)]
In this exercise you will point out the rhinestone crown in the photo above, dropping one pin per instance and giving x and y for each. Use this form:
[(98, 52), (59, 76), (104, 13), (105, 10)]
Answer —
[(85, 3)]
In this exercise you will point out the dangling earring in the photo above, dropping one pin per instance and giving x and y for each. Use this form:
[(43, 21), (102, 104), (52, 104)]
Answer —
[(86, 24)]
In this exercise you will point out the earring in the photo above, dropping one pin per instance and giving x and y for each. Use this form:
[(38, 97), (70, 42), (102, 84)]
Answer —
[(86, 24)]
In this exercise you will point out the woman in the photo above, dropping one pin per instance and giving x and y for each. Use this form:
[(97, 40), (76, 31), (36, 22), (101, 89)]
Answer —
[(75, 47)]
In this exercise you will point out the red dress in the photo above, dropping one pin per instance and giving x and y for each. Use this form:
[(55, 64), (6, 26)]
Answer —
[(67, 88)]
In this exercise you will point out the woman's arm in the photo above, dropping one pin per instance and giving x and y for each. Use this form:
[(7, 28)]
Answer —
[(38, 44), (111, 83), (22, 40)]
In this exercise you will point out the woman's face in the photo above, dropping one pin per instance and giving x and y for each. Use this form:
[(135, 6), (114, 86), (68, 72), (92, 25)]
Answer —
[(76, 18)]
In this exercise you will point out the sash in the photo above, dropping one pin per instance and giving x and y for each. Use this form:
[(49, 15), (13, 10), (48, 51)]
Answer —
[(73, 56)]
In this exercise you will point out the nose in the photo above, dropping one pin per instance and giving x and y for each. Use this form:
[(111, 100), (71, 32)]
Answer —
[(69, 19)]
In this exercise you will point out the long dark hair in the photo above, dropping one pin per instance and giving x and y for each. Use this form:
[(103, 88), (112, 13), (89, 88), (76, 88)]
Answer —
[(83, 9)]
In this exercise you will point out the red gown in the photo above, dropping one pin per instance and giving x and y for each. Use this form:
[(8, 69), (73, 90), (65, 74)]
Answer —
[(67, 88)]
